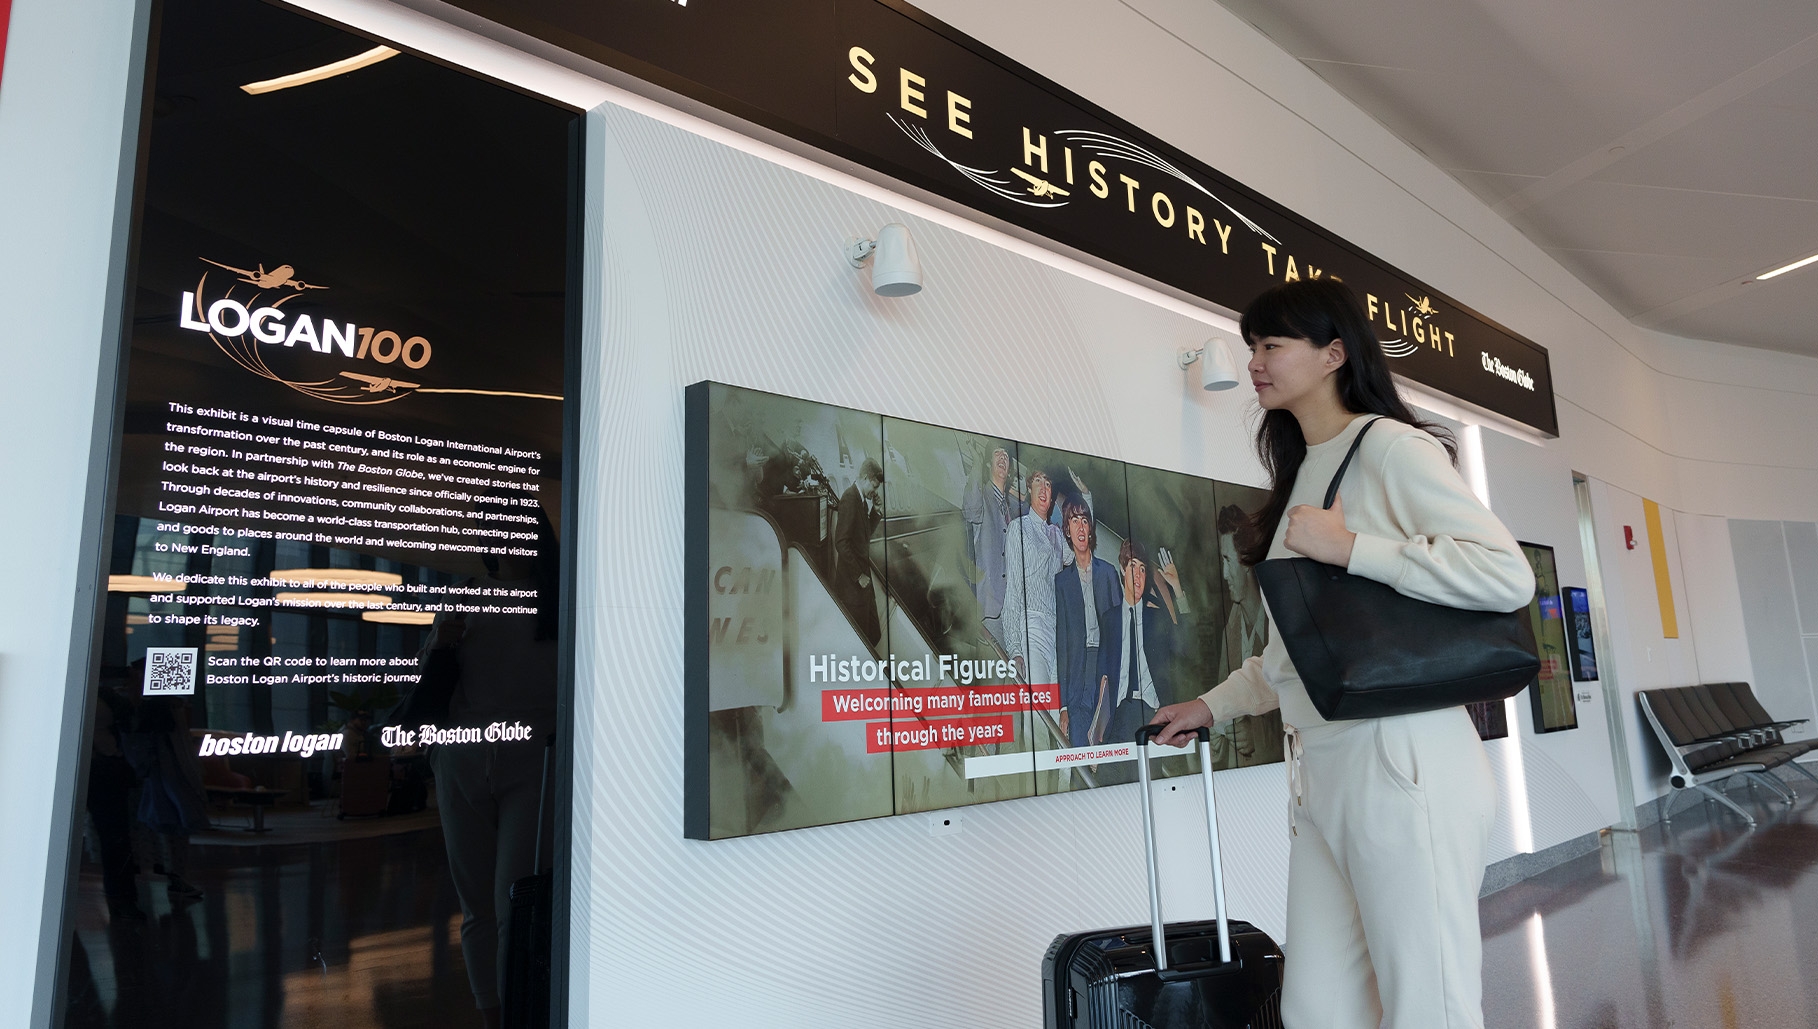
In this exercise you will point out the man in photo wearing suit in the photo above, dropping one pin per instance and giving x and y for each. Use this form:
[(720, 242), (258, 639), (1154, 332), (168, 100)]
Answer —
[(859, 514), (1087, 597), (989, 506), (1141, 644)]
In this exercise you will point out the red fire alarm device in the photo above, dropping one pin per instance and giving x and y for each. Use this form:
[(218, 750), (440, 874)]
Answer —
[(1628, 536)]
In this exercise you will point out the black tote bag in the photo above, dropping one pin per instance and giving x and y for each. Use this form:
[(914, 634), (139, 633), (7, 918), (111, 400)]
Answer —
[(1366, 651)]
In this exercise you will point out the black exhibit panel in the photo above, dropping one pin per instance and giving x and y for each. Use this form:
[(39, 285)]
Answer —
[(325, 774)]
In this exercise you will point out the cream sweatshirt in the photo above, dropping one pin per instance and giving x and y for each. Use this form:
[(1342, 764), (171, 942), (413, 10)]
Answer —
[(1419, 529)]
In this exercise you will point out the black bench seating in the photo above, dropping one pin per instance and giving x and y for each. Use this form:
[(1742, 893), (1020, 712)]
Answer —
[(1717, 730)]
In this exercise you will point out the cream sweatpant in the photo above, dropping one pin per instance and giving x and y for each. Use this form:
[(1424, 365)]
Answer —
[(1384, 867)]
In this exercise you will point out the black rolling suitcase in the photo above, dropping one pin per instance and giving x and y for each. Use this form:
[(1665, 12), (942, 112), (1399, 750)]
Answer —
[(1207, 975), (525, 1003)]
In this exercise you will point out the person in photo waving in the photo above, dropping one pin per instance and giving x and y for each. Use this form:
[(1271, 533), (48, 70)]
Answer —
[(1389, 816)]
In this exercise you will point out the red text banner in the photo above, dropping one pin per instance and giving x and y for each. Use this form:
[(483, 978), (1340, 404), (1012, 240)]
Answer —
[(923, 702)]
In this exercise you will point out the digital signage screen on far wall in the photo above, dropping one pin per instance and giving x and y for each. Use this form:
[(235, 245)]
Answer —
[(332, 653)]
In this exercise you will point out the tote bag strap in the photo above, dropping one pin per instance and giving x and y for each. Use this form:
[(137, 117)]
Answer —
[(1338, 476)]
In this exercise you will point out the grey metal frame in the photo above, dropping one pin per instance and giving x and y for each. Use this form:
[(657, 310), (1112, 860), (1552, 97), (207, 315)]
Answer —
[(75, 714)]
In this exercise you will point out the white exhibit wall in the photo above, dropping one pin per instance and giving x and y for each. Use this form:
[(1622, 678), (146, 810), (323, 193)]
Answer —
[(880, 922), (1570, 781), (1713, 595), (1645, 657), (1776, 566)]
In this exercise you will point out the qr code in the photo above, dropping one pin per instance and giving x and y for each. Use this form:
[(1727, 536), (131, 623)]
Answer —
[(170, 671)]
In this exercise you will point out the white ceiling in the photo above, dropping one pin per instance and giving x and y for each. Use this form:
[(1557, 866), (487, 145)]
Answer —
[(1665, 151)]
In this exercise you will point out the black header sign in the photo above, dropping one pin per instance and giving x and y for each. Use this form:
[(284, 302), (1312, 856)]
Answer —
[(883, 84)]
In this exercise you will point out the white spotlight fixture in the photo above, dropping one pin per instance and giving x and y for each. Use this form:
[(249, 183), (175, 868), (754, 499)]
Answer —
[(1217, 371), (895, 270)]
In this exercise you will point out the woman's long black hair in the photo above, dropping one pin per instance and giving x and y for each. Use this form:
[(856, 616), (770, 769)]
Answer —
[(1319, 311)]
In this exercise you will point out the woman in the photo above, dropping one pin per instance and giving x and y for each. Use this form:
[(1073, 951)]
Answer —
[(1391, 815), (489, 795)]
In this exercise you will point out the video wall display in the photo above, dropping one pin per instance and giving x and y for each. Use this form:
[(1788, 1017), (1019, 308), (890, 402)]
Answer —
[(332, 650), (887, 616), (1552, 696)]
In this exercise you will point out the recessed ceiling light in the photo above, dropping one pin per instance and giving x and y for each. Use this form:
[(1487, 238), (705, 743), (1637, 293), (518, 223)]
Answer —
[(143, 584), (400, 617), (327, 71), (1786, 268)]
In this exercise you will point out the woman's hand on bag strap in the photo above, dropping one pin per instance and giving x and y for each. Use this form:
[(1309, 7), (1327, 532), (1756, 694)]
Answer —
[(1320, 533)]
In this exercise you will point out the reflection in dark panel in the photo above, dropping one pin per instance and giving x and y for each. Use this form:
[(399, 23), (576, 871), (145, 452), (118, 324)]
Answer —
[(329, 650)]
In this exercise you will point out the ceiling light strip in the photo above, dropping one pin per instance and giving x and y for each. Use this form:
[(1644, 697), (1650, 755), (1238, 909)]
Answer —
[(1786, 268), (327, 71)]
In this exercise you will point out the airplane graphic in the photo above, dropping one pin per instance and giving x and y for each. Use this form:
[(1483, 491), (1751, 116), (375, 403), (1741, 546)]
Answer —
[(1040, 187), (1422, 306), (282, 275), (376, 384)]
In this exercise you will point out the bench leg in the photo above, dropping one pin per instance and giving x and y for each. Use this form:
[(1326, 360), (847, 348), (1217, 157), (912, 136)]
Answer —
[(1726, 802), (1781, 789), (1802, 770)]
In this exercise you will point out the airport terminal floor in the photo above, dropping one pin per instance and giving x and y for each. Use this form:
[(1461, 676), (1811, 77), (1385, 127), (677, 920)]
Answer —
[(1703, 922)]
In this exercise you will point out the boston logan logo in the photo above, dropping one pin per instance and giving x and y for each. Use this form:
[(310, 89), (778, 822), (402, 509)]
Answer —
[(246, 327)]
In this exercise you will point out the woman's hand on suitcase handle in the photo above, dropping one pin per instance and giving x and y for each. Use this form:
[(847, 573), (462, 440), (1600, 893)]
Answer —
[(1181, 720)]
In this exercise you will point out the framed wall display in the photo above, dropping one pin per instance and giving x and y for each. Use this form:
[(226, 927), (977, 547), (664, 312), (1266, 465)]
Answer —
[(887, 616), (1578, 621), (1551, 695), (330, 713)]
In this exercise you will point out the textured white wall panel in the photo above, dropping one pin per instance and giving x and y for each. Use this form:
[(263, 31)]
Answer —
[(713, 263), (1770, 612), (1714, 599)]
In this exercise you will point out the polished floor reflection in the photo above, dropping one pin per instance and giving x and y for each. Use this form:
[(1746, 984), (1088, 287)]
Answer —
[(349, 933), (1703, 923)]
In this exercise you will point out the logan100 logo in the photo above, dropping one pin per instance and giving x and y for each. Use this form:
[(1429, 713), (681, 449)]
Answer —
[(243, 326)]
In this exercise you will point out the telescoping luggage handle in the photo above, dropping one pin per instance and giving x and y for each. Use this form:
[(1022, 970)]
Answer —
[(1143, 737)]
